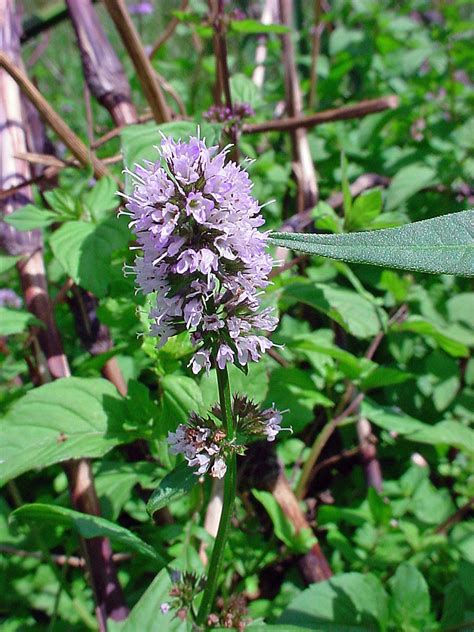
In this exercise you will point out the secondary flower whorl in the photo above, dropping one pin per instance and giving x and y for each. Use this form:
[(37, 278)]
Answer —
[(197, 223)]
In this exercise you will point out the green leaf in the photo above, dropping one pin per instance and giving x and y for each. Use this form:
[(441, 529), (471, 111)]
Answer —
[(300, 542), (250, 27), (408, 181), (102, 198), (29, 217), (84, 250), (410, 601), (243, 90), (451, 433), (7, 262), (146, 614), (85, 525), (14, 321), (350, 602), (67, 419), (424, 327), (293, 389), (352, 311), (443, 245), (364, 210), (174, 486), (62, 202), (181, 395)]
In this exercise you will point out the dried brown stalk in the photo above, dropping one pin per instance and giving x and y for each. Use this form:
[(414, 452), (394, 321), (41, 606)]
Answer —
[(303, 167), (103, 70), (315, 48), (28, 245), (145, 73), (73, 142), (168, 32), (269, 12), (293, 122)]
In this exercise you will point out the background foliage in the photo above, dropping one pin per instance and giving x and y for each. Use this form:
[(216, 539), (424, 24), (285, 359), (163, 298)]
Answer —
[(399, 561)]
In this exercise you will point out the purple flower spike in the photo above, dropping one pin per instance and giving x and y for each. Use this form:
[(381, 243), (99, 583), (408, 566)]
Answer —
[(197, 223)]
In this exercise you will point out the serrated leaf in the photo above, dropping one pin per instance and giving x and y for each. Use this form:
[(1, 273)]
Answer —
[(86, 525), (29, 217), (67, 419), (102, 198), (410, 602), (442, 245), (174, 486), (244, 90), (364, 210), (424, 327), (84, 250)]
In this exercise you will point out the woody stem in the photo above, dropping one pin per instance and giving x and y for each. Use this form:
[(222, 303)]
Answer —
[(228, 502)]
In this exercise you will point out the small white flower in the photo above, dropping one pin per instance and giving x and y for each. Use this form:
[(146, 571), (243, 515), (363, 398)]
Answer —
[(219, 468), (165, 607)]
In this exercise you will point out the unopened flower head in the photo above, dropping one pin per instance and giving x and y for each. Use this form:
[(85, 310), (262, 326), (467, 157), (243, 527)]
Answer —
[(197, 223)]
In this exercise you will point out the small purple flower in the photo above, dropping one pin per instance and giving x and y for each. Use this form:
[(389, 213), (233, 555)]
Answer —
[(197, 223), (9, 298), (141, 8), (165, 607)]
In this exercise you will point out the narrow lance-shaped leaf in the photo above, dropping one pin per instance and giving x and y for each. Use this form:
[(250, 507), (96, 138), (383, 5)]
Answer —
[(86, 525), (443, 245)]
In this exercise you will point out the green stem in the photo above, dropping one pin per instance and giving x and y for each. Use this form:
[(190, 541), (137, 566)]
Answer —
[(228, 502)]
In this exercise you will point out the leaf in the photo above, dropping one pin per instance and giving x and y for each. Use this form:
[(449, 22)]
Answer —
[(250, 27), (352, 311), (424, 327), (349, 602), (244, 90), (181, 395), (7, 262), (294, 390), (69, 418), (410, 601), (85, 525), (62, 202), (14, 321), (408, 181), (174, 486), (300, 542), (102, 198), (29, 217), (442, 245), (451, 433), (85, 250), (146, 614), (364, 210)]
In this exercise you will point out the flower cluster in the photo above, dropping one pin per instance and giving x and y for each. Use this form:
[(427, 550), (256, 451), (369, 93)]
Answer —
[(197, 223), (225, 114), (204, 444), (185, 587), (9, 298)]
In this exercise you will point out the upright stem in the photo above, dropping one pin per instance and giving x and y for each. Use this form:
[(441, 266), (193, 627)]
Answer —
[(228, 504)]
